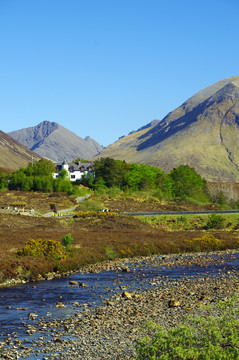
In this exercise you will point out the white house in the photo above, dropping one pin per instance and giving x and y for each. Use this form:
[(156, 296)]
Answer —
[(75, 171)]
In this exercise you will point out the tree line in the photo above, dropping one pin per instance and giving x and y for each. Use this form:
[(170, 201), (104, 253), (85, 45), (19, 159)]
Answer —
[(181, 183), (39, 177)]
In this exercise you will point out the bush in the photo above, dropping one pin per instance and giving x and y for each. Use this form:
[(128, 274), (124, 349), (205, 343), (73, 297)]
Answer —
[(206, 242), (43, 248), (110, 253), (215, 222), (211, 338), (67, 241)]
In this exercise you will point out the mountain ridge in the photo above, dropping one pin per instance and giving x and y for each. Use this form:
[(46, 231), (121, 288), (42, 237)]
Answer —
[(203, 132), (14, 155), (53, 141)]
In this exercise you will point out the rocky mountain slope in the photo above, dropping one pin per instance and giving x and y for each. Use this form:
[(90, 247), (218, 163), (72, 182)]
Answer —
[(53, 141), (14, 155), (203, 132)]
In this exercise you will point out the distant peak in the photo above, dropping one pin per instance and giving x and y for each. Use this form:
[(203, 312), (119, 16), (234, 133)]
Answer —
[(45, 128), (47, 123)]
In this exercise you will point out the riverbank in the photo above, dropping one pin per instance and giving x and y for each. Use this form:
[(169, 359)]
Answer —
[(111, 331)]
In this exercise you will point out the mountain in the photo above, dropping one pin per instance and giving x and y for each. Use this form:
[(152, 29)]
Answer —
[(203, 132), (14, 155), (53, 141)]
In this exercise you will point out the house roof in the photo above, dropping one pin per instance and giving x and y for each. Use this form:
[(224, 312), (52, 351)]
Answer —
[(75, 166)]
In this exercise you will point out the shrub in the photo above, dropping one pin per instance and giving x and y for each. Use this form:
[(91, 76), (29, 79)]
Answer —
[(43, 248), (67, 241), (210, 338), (215, 222), (110, 253), (206, 242)]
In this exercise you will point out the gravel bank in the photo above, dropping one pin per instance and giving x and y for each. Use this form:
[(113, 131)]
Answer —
[(111, 331)]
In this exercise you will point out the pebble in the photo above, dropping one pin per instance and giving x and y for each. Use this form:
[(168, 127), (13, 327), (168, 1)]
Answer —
[(111, 331)]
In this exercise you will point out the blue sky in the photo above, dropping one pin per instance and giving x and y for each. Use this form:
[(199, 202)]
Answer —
[(104, 68)]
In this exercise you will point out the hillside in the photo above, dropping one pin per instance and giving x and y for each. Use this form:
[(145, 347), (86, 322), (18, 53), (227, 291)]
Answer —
[(14, 155), (53, 141), (203, 133)]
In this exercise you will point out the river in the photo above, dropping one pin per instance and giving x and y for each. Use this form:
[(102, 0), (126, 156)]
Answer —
[(41, 298)]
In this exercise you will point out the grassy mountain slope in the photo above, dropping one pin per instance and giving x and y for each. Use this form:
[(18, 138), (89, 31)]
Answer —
[(14, 155), (203, 133)]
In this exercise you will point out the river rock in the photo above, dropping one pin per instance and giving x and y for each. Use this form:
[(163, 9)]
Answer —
[(127, 295), (32, 316), (72, 282), (82, 285), (59, 305)]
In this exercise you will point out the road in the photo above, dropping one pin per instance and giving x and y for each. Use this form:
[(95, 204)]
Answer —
[(61, 212), (181, 213)]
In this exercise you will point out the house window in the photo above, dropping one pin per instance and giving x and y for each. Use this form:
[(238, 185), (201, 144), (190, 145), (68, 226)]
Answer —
[(73, 176)]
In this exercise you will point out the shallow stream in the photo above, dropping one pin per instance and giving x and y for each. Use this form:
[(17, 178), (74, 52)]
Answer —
[(41, 297)]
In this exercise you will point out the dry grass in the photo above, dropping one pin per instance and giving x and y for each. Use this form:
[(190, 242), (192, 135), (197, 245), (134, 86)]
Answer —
[(95, 239), (38, 201), (97, 236)]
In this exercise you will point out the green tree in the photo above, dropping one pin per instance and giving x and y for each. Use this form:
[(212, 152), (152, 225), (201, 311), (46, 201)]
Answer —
[(140, 177), (3, 180), (111, 171), (187, 183), (43, 168), (18, 180), (36, 177)]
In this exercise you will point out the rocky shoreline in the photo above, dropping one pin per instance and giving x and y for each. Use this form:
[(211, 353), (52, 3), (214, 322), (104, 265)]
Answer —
[(111, 331)]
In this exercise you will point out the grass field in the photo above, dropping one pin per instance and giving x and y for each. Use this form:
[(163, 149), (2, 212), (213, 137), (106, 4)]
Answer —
[(99, 236)]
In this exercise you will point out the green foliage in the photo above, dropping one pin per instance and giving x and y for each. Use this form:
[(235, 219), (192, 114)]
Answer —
[(220, 198), (80, 160), (87, 180), (110, 172), (211, 338), (3, 180), (36, 177), (39, 177), (67, 241), (187, 183), (140, 177), (181, 183), (89, 205), (110, 253), (215, 222)]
